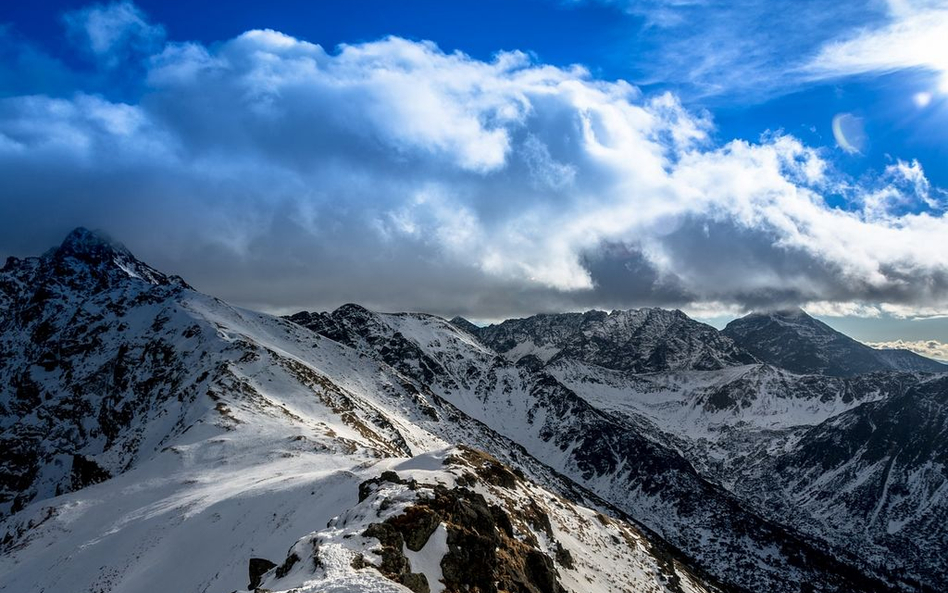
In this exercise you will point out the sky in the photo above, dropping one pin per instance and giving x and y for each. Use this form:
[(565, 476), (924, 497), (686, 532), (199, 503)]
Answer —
[(496, 158)]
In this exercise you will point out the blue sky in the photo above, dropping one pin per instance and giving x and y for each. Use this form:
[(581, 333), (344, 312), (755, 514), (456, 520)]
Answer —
[(748, 93), (496, 158)]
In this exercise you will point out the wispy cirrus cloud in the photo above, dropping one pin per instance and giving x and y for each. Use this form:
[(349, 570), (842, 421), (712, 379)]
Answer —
[(756, 49), (750, 49), (915, 36)]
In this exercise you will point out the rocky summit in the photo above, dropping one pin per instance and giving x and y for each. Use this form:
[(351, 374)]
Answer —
[(793, 340)]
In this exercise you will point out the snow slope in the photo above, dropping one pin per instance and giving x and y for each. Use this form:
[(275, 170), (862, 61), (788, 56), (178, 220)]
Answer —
[(458, 516), (615, 456), (157, 439)]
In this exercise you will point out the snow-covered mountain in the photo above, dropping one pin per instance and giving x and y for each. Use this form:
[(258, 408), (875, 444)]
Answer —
[(872, 478), (155, 439), (767, 435), (829, 457), (159, 439), (624, 458), (795, 341)]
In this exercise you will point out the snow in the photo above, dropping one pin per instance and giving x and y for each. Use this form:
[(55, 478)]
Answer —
[(676, 401), (264, 431), (296, 424), (427, 560), (544, 352)]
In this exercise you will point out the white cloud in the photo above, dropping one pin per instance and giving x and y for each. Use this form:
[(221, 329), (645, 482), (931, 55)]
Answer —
[(746, 49), (111, 30), (930, 348), (916, 36), (399, 175)]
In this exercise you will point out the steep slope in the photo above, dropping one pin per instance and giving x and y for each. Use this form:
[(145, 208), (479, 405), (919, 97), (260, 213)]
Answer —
[(726, 411), (613, 455), (78, 399), (156, 438), (875, 477), (793, 340), (906, 360), (638, 340), (824, 455)]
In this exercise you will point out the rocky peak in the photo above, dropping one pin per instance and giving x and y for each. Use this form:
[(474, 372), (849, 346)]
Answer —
[(81, 243), (638, 340), (463, 324), (794, 340), (87, 260)]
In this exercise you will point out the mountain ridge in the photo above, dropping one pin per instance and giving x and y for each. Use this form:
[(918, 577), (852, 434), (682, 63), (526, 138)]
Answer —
[(207, 421), (639, 340), (794, 340), (115, 378)]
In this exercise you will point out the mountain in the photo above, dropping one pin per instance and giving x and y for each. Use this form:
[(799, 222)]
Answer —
[(86, 384), (906, 360), (855, 462), (155, 438), (626, 459), (874, 476), (640, 340), (793, 340)]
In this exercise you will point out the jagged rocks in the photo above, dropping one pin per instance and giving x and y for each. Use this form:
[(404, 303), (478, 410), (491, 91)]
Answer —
[(482, 555), (638, 340)]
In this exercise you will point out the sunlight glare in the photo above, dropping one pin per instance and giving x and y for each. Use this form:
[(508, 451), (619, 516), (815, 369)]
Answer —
[(922, 99)]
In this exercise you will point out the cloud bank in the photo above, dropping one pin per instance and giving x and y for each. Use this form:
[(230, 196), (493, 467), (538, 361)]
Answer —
[(930, 348), (277, 174)]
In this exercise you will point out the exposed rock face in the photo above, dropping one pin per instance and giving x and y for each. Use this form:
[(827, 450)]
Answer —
[(72, 318), (498, 534), (482, 553), (795, 341), (257, 567)]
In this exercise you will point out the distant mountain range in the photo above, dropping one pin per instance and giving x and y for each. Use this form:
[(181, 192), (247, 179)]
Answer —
[(158, 439)]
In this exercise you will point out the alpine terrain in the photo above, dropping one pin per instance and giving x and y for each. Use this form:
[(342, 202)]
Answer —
[(158, 439)]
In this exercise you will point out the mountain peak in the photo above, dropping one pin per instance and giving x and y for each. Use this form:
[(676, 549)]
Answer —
[(93, 253), (82, 242), (464, 324), (792, 339), (794, 313)]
